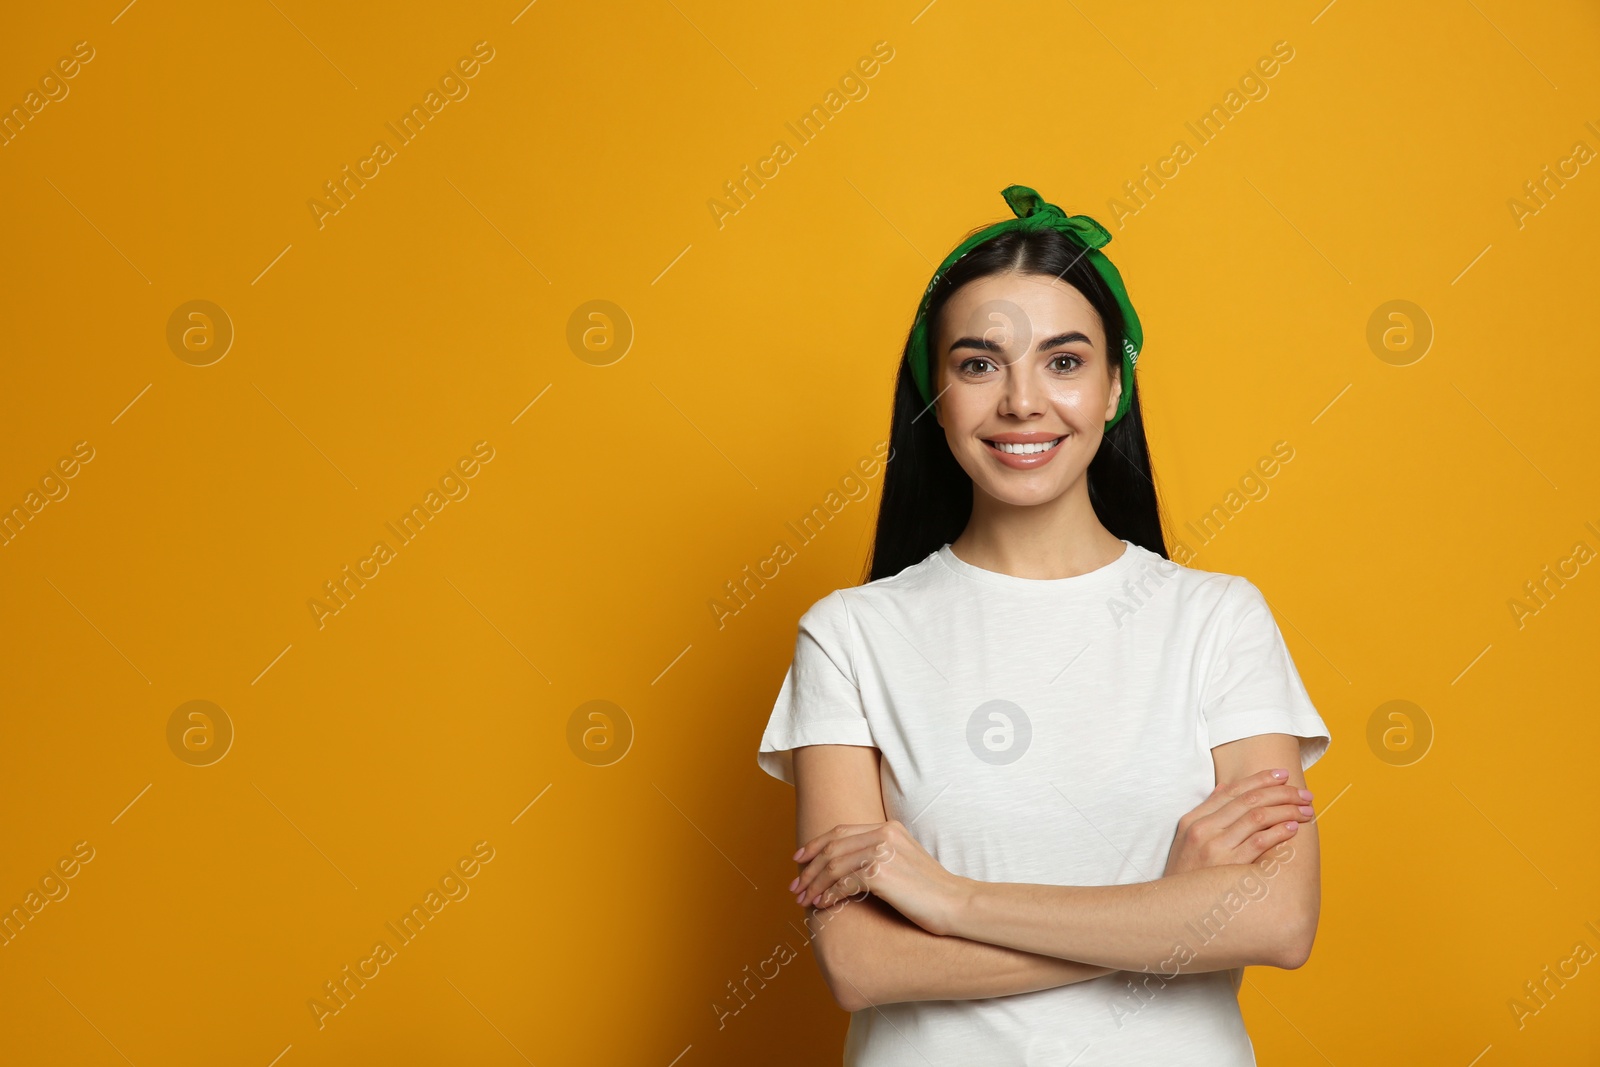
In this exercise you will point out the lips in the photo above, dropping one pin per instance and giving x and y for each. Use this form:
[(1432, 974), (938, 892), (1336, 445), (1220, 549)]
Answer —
[(1025, 448), (1024, 451)]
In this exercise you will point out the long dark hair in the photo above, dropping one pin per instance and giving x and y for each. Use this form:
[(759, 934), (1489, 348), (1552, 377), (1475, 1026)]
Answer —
[(927, 497)]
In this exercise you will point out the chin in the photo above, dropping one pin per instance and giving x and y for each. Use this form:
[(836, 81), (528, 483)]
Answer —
[(1019, 498), (1020, 488)]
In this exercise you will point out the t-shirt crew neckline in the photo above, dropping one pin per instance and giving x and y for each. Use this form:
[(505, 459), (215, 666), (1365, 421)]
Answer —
[(1088, 580)]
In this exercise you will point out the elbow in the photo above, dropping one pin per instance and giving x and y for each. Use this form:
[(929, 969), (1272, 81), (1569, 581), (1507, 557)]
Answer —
[(1294, 943), (849, 1000), (1293, 957), (840, 971)]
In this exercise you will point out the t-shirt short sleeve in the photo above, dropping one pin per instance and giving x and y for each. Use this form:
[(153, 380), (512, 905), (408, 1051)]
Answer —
[(820, 702), (1252, 686)]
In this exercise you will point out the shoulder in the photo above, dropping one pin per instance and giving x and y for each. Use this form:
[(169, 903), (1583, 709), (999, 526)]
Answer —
[(1199, 586), (1211, 604), (829, 614), (1237, 595), (907, 584), (840, 612), (1232, 606)]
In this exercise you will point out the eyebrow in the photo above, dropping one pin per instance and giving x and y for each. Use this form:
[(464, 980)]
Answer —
[(984, 345)]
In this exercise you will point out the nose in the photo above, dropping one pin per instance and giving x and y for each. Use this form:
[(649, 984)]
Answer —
[(1022, 394)]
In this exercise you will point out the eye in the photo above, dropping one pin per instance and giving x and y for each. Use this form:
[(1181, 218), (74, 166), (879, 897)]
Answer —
[(968, 368), (1074, 362)]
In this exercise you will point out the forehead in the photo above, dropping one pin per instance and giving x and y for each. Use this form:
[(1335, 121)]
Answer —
[(1037, 304)]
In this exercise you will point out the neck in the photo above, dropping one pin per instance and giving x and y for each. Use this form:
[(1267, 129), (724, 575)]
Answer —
[(1059, 539)]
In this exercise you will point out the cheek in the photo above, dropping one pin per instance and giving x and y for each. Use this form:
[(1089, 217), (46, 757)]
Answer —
[(961, 412), (1073, 400)]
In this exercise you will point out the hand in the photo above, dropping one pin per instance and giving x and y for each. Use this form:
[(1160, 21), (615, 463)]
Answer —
[(1239, 822), (883, 859)]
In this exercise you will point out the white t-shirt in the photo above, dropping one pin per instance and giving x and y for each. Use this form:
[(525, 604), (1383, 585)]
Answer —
[(1049, 731)]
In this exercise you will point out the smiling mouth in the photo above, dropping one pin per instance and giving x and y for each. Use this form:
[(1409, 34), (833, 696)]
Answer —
[(1031, 448)]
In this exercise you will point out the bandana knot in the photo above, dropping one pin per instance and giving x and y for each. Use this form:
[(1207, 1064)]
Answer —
[(1036, 214)]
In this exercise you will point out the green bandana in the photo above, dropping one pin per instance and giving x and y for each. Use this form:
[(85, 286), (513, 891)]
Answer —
[(1034, 214)]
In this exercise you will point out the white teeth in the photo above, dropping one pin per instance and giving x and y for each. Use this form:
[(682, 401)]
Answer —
[(1025, 450)]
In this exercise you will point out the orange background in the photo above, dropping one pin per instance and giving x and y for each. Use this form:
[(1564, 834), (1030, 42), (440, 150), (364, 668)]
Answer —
[(433, 311)]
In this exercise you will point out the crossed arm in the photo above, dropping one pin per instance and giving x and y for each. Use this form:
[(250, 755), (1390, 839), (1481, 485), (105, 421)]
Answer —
[(1013, 938)]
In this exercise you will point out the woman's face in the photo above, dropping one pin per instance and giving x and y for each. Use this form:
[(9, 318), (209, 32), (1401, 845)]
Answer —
[(1021, 364)]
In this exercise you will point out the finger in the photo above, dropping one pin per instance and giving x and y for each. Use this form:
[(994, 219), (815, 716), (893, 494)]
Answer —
[(1250, 800), (1259, 843), (840, 858), (852, 884), (821, 843), (838, 845), (1274, 778), (1250, 811), (810, 848), (1226, 792), (840, 875), (1263, 841), (858, 873), (1260, 819)]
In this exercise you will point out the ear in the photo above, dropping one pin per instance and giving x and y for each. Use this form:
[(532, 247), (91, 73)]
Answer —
[(1116, 390)]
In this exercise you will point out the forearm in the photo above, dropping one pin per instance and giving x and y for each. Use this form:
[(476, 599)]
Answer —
[(871, 954), (1209, 919)]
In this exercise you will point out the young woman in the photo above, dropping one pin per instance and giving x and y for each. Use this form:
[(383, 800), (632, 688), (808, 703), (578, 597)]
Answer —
[(1050, 783)]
